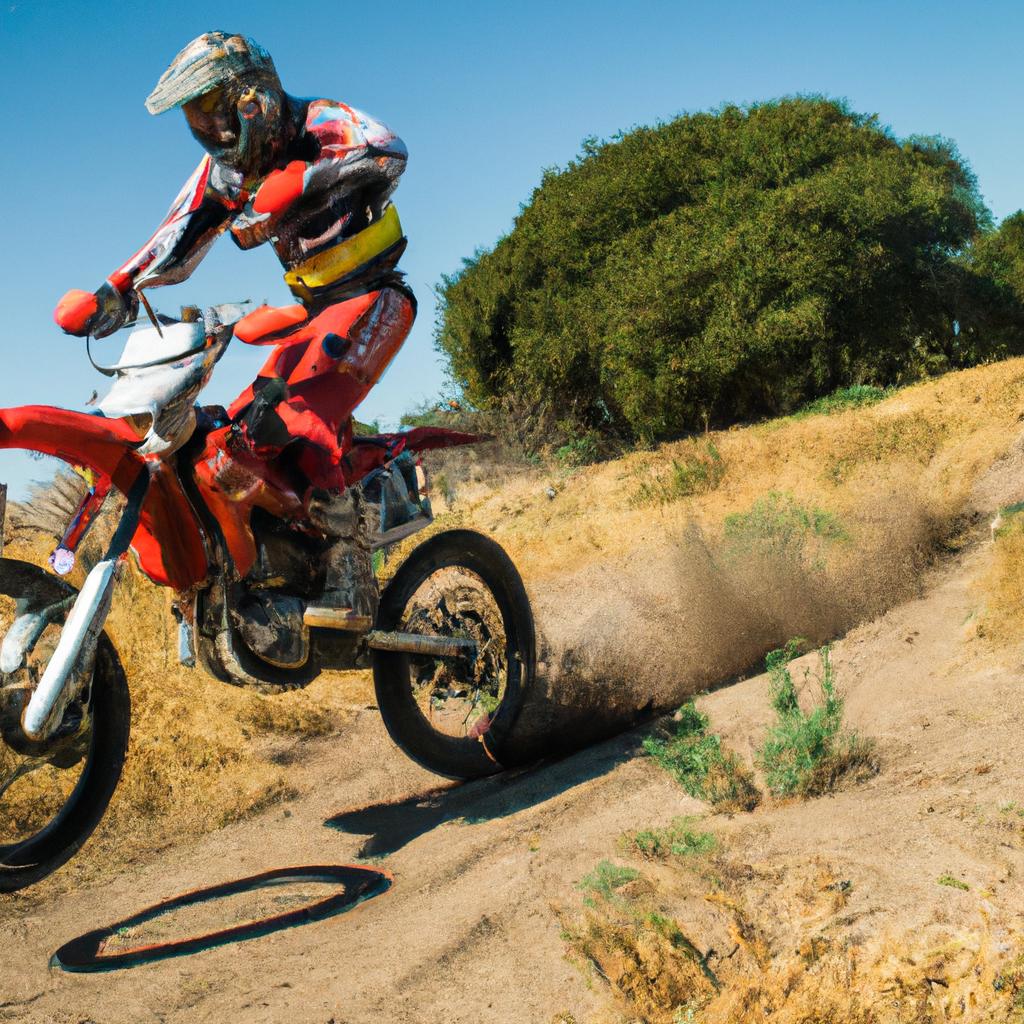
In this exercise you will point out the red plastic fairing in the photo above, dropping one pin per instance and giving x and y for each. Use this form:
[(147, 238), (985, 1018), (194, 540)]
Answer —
[(262, 326), (105, 445), (362, 459), (168, 541), (422, 439)]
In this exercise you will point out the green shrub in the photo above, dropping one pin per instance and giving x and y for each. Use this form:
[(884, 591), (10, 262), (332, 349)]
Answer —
[(733, 264), (578, 451), (680, 839), (807, 753), (854, 397), (695, 759), (778, 527), (605, 881), (695, 473)]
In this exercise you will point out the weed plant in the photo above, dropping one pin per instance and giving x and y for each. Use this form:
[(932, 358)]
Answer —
[(578, 451), (807, 753), (778, 525), (680, 839), (695, 473), (856, 396), (630, 939), (695, 759), (605, 881)]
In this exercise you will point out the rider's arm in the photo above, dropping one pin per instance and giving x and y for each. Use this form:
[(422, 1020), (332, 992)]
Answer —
[(354, 151), (197, 216)]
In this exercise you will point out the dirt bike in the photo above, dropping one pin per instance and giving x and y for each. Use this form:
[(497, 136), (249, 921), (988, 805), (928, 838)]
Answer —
[(451, 648)]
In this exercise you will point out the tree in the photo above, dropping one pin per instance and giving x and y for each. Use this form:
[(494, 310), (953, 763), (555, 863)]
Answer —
[(725, 266)]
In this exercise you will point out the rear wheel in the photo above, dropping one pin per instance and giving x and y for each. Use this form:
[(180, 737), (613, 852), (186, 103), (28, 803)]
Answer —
[(54, 793), (453, 715)]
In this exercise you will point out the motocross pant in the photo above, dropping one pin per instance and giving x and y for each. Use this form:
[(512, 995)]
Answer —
[(303, 398)]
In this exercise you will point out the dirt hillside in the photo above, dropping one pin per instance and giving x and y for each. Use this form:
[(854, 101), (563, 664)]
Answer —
[(898, 899)]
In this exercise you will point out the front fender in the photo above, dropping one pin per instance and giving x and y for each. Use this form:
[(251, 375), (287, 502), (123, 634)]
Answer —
[(169, 541), (81, 439)]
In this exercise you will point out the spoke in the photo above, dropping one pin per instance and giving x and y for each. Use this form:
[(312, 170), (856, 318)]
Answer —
[(454, 607)]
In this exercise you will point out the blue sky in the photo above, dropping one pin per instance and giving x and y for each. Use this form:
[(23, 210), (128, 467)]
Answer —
[(485, 95)]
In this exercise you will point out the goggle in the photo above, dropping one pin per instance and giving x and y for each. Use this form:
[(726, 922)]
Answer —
[(210, 121)]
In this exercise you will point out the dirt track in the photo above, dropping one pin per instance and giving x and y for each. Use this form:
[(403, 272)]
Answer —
[(470, 931), (485, 874)]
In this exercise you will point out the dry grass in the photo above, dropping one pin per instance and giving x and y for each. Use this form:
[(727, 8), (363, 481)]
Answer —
[(641, 607), (626, 938), (714, 941), (1002, 589), (915, 455), (696, 471), (202, 754)]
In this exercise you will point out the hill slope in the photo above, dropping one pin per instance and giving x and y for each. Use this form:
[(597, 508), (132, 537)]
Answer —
[(827, 909), (485, 873)]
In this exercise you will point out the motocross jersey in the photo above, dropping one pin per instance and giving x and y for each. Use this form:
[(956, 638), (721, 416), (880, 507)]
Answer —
[(325, 209)]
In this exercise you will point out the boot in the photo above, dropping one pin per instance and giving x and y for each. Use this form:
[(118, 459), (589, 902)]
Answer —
[(350, 594)]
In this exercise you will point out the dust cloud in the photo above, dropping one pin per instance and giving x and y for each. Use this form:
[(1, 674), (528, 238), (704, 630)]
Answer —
[(626, 639)]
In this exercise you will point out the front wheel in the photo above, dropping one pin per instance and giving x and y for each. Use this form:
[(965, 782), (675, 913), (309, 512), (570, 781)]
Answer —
[(454, 715), (53, 794)]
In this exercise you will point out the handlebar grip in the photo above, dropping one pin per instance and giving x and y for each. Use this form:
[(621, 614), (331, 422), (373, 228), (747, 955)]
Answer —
[(75, 310)]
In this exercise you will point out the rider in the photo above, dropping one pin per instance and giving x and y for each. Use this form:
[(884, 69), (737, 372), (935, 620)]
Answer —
[(314, 178)]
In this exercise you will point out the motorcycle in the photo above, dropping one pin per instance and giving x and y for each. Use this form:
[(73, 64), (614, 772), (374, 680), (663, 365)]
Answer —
[(451, 646)]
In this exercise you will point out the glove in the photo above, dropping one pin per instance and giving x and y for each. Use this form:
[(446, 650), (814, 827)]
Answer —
[(74, 311), (97, 313), (250, 229)]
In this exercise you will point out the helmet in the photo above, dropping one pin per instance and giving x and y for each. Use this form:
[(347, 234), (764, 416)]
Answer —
[(232, 99)]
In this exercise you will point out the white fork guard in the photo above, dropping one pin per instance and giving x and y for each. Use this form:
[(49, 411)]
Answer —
[(81, 630)]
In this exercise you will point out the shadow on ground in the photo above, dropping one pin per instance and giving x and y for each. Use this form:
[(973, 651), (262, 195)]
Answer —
[(390, 826)]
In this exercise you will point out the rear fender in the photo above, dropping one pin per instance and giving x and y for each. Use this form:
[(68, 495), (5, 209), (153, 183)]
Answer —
[(370, 453), (422, 439)]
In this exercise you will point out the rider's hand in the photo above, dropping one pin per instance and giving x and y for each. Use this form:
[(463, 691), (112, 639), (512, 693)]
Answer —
[(74, 312), (97, 313), (115, 310), (250, 229)]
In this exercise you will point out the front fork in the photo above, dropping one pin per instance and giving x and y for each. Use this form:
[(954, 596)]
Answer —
[(72, 659)]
